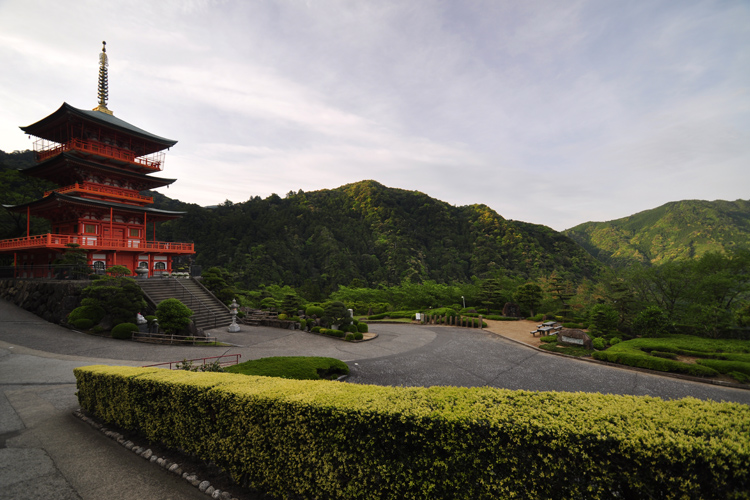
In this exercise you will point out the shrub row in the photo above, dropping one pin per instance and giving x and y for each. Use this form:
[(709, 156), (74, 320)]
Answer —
[(318, 439)]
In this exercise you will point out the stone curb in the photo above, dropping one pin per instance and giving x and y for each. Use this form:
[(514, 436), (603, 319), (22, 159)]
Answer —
[(147, 454)]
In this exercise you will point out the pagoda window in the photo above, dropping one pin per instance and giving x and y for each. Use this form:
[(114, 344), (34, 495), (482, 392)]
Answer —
[(89, 228), (135, 233)]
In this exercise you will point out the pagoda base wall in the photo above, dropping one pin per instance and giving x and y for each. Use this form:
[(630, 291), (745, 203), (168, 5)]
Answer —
[(50, 300)]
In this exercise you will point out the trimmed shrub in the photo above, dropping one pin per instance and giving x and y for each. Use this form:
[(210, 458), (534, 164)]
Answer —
[(83, 323), (282, 316), (598, 343), (315, 329), (266, 430), (362, 328), (349, 336), (651, 322), (314, 311), (665, 355), (615, 340), (124, 331), (358, 336), (93, 313), (549, 339), (173, 315), (334, 333)]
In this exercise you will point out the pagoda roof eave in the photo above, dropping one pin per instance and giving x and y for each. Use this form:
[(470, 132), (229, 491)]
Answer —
[(56, 197), (37, 129), (40, 169)]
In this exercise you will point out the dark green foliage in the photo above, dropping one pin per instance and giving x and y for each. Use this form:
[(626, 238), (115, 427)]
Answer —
[(598, 343), (124, 331), (358, 336), (291, 304), (83, 323), (362, 328), (603, 319), (349, 336), (336, 314), (549, 339), (93, 313), (293, 367), (367, 234), (665, 355), (73, 264), (120, 298), (314, 311), (651, 322), (173, 315), (681, 230), (315, 329), (118, 271), (352, 328), (615, 340), (529, 296)]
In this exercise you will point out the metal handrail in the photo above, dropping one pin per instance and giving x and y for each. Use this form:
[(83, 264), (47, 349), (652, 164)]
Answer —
[(193, 297)]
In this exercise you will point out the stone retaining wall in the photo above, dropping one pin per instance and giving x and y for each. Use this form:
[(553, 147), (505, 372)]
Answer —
[(51, 300)]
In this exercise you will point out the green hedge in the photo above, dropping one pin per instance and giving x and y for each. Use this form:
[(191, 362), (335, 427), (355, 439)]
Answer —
[(319, 439), (124, 331)]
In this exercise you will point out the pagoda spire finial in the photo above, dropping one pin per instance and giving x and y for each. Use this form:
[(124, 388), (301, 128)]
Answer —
[(103, 84)]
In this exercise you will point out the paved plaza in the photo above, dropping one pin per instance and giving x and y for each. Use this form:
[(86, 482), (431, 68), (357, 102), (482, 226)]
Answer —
[(45, 452)]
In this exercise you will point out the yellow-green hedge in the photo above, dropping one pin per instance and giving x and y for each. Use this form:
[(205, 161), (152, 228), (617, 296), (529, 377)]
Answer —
[(319, 439)]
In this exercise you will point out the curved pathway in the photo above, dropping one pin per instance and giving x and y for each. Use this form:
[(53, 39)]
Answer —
[(45, 452)]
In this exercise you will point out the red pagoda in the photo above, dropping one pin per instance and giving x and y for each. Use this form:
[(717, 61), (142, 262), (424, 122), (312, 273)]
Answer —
[(101, 164)]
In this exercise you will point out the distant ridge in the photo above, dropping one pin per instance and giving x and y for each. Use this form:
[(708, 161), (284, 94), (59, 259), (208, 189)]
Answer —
[(368, 234), (675, 231)]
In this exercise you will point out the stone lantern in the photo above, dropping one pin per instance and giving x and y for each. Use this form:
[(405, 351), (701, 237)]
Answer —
[(234, 327)]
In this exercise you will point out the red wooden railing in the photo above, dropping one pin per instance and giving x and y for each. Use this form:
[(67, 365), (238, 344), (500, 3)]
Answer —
[(222, 362), (91, 188), (94, 243), (45, 149)]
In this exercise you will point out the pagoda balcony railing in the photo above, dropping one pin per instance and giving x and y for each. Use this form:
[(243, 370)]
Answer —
[(45, 149), (92, 242), (99, 189)]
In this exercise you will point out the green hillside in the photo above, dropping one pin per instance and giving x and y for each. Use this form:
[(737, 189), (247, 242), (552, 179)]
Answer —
[(369, 234), (675, 231)]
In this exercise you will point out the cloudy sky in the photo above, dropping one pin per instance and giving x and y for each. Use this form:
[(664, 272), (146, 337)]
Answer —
[(553, 112)]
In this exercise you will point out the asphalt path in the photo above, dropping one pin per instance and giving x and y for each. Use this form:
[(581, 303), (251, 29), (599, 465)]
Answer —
[(45, 452)]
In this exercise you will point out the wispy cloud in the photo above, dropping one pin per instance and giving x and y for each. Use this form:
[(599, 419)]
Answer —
[(549, 112)]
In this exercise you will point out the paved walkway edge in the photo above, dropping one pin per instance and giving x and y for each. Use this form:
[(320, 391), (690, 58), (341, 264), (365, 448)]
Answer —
[(173, 467)]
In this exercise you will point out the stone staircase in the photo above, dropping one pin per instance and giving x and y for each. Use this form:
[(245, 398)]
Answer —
[(208, 311)]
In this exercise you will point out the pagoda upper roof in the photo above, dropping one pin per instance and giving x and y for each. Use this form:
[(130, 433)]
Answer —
[(55, 169), (56, 199), (51, 127)]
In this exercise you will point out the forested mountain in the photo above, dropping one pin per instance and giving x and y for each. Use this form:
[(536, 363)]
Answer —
[(676, 231), (367, 234)]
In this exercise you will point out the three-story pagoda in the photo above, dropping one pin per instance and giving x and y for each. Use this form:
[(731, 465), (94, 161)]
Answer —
[(101, 164)]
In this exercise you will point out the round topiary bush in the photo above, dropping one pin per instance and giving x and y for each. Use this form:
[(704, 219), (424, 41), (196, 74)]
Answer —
[(598, 343), (615, 340), (352, 329), (124, 331), (358, 336), (362, 328), (315, 329), (314, 311), (173, 315), (91, 313), (349, 336), (83, 323), (282, 316)]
